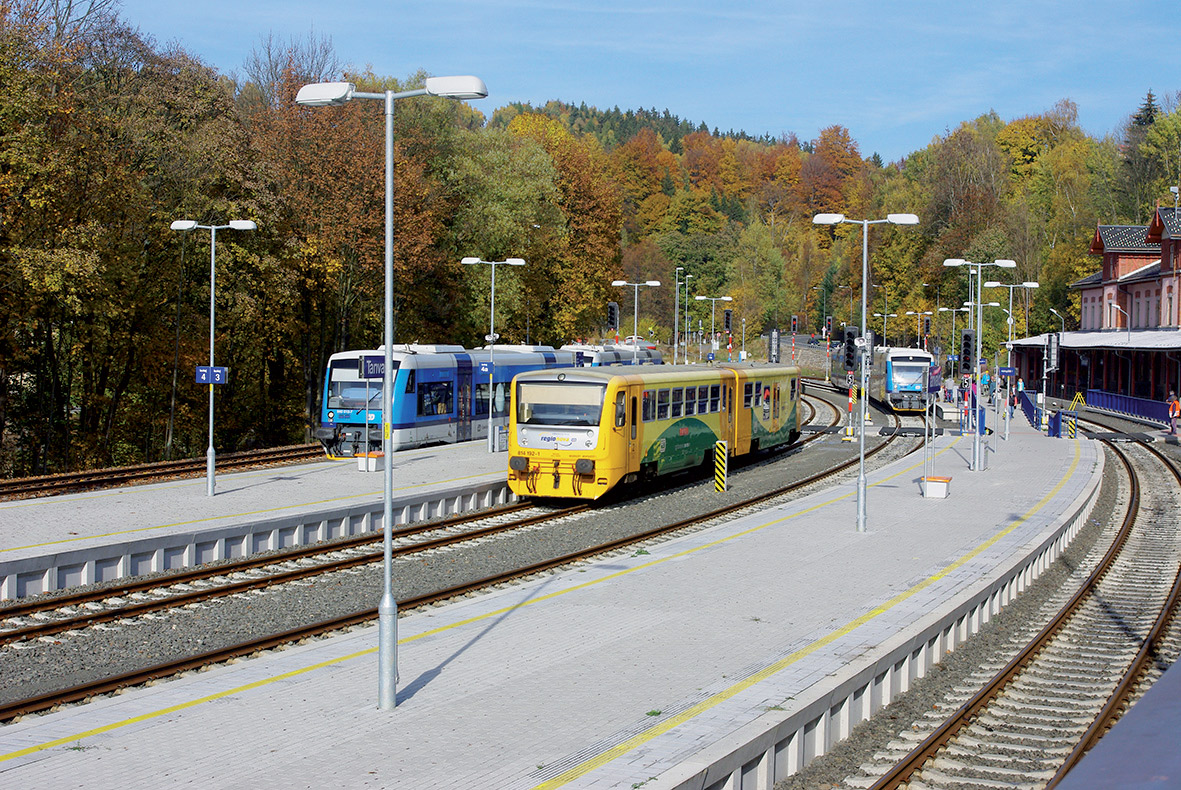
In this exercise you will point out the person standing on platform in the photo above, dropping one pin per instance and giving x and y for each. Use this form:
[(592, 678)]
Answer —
[(1174, 412)]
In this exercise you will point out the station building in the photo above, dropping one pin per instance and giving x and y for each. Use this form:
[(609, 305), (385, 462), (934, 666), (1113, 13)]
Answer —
[(1128, 344)]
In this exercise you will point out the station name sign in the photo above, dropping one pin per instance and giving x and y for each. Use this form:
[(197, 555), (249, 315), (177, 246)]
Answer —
[(371, 367)]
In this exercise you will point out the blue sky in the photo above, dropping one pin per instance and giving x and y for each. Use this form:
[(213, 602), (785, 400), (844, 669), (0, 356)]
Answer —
[(896, 74)]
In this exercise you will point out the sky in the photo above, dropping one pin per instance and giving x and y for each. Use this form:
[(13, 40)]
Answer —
[(896, 74)]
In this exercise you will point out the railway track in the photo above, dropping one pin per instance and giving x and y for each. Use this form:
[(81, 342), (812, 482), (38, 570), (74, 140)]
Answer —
[(173, 592), (74, 482), (1030, 717)]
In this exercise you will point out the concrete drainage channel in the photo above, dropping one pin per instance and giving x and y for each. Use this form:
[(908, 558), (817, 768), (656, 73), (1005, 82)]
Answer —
[(62, 570)]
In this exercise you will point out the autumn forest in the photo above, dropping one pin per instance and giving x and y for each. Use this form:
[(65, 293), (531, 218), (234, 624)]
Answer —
[(107, 138)]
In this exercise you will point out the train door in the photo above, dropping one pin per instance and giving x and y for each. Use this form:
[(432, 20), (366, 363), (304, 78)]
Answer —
[(729, 425), (463, 406), (632, 428)]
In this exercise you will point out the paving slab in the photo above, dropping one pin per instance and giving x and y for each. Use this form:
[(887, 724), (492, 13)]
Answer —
[(642, 669)]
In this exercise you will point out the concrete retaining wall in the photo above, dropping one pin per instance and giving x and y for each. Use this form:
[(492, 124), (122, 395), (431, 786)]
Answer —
[(780, 743), (59, 571)]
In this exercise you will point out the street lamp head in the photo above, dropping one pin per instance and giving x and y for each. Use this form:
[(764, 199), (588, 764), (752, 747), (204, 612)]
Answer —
[(828, 219), (465, 87), (1055, 312), (653, 283), (184, 224), (515, 261), (470, 260), (618, 283), (993, 284), (1029, 284), (243, 224), (954, 261), (726, 298), (1005, 263), (325, 94), (902, 219), (701, 298)]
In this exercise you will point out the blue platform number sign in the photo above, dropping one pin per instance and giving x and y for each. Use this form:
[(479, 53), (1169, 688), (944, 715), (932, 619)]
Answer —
[(485, 368), (1007, 371), (207, 374)]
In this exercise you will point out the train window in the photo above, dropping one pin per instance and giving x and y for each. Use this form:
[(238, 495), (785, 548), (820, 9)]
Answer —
[(662, 404), (499, 405), (758, 393), (775, 399), (633, 417), (434, 397), (703, 400), (678, 394), (794, 384), (746, 395), (480, 404), (545, 403), (690, 400), (409, 382), (715, 394), (620, 410), (649, 405)]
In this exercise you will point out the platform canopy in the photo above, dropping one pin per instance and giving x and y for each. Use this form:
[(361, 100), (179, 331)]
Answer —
[(1117, 339)]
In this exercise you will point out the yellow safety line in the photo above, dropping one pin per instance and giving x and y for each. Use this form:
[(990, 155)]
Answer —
[(81, 538), (778, 666), (642, 737), (407, 640)]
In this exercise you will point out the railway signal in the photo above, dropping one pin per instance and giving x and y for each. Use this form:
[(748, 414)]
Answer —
[(828, 326), (851, 335), (967, 350), (795, 324), (612, 316), (727, 320)]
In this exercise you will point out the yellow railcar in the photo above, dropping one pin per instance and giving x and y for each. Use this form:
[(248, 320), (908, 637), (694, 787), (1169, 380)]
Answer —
[(580, 432)]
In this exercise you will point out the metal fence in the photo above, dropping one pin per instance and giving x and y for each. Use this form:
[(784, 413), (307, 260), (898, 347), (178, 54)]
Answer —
[(1140, 408)]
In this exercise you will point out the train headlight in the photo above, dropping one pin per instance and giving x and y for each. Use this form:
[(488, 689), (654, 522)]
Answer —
[(518, 463), (584, 466), (331, 415)]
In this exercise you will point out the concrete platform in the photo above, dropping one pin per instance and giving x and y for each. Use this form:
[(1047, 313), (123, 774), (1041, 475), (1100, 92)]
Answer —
[(53, 543), (726, 658)]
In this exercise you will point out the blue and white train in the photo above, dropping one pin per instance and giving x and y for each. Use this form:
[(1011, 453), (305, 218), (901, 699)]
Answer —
[(896, 378), (440, 394), (596, 356)]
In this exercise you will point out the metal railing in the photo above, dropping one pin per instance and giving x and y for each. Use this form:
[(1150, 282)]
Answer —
[(1127, 405)]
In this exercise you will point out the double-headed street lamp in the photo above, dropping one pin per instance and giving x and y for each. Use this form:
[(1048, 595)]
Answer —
[(636, 313), (688, 326), (331, 94), (1011, 287), (885, 311), (836, 219), (492, 337), (713, 304), (918, 320), (677, 311), (977, 461), (186, 225)]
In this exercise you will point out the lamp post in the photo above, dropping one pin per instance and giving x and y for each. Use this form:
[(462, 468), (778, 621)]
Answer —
[(187, 225), (1060, 318), (636, 313), (713, 300), (331, 94), (836, 219), (850, 289), (823, 326), (885, 311), (677, 311), (1011, 287), (953, 311), (977, 464), (918, 328), (492, 337), (688, 326)]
